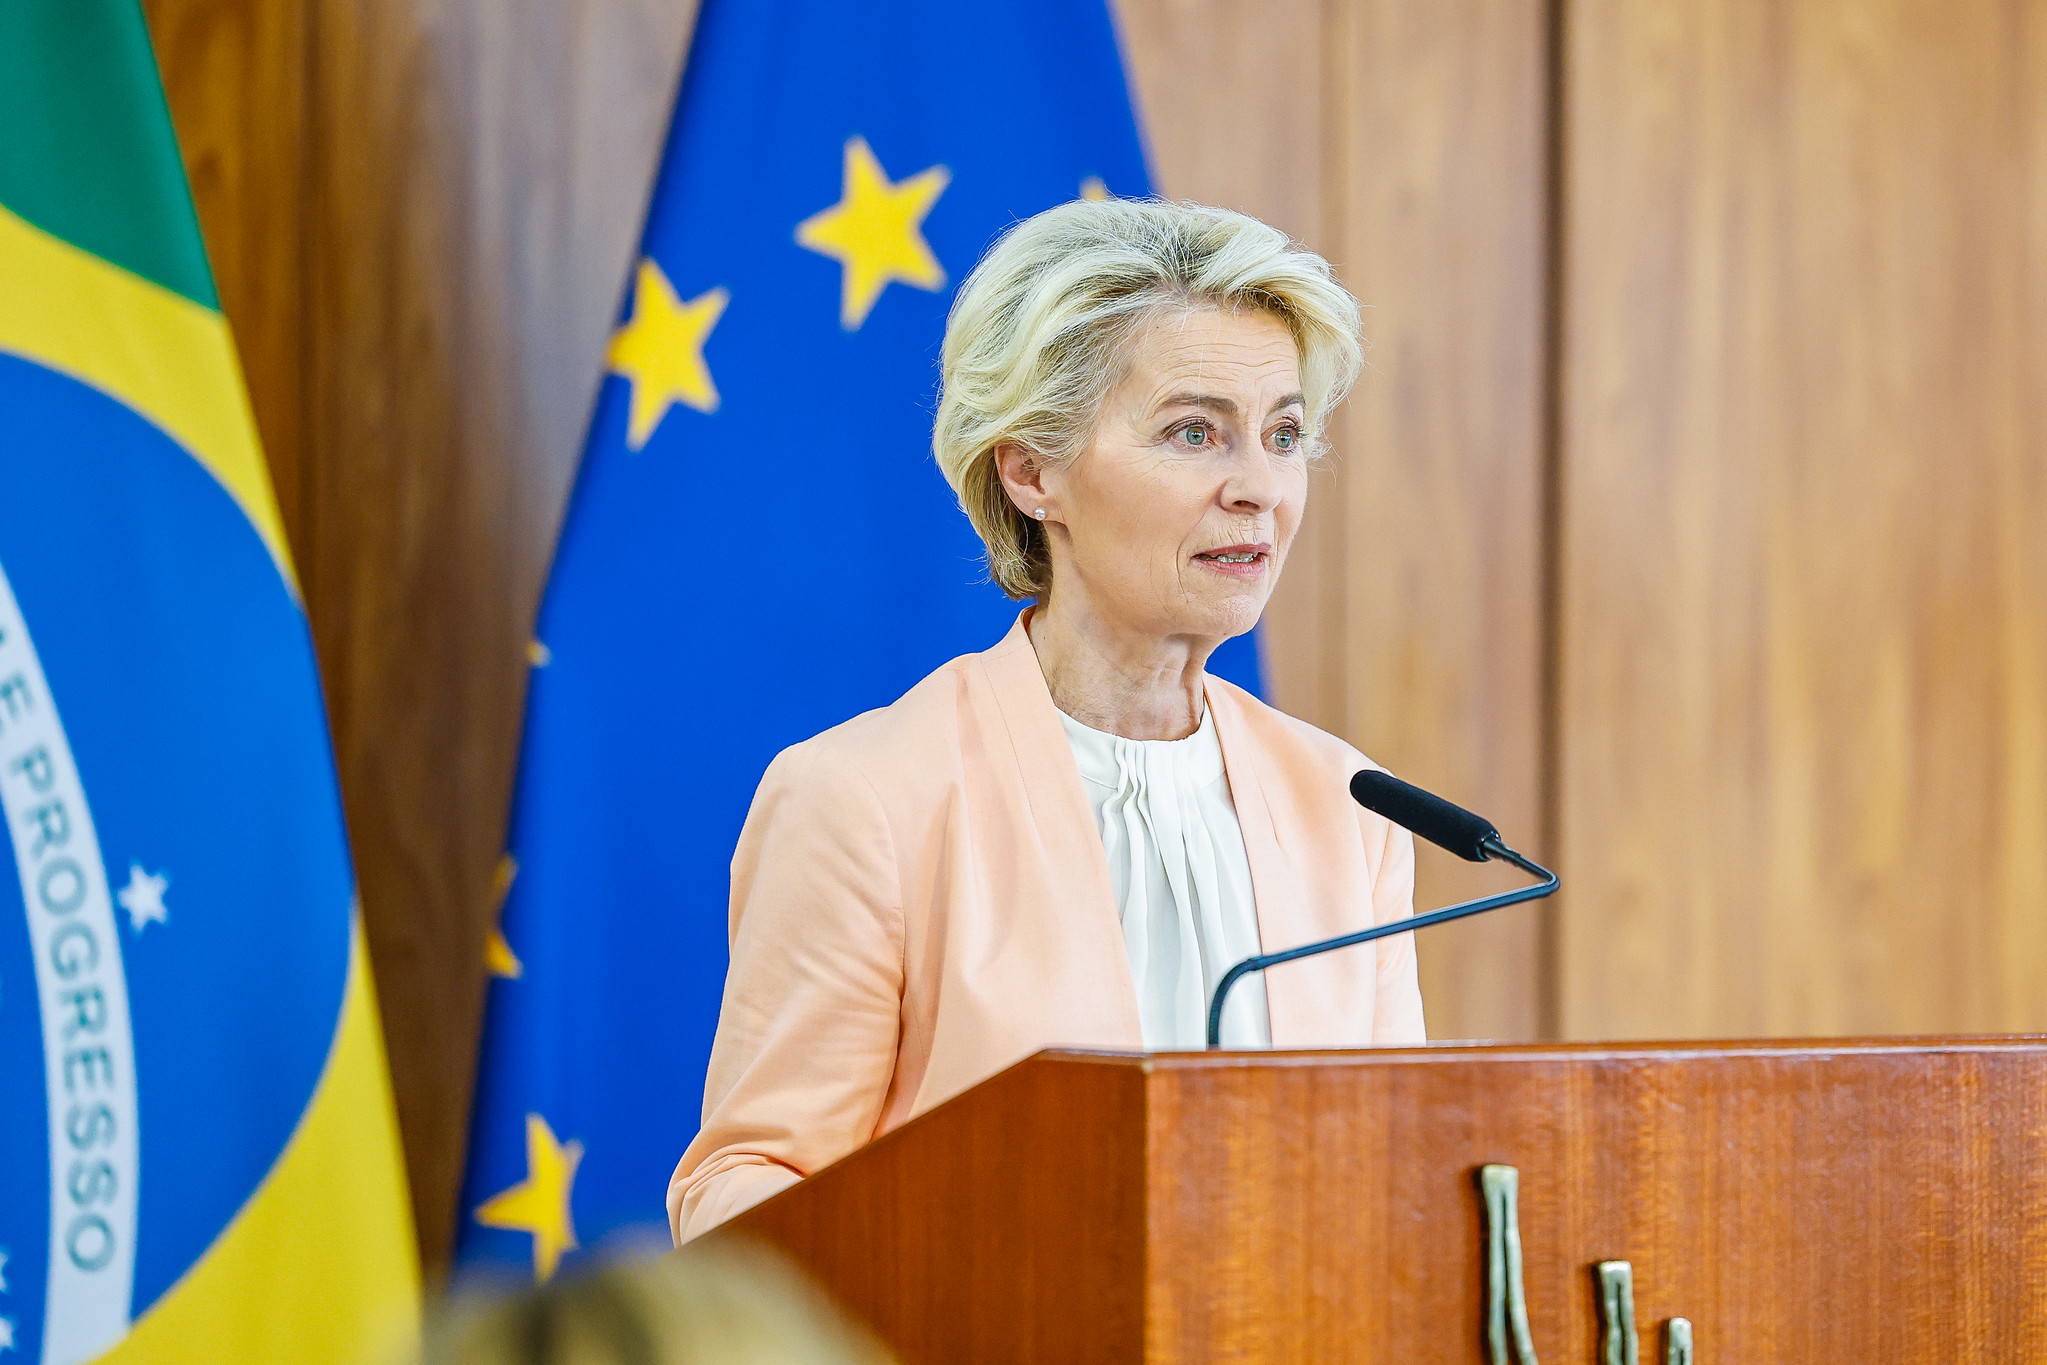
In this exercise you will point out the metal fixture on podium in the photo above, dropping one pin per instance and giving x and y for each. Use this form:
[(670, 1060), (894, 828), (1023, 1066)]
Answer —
[(1507, 1300)]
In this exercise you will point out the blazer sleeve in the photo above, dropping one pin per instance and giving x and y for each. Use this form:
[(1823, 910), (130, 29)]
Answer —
[(1397, 1016), (811, 1019)]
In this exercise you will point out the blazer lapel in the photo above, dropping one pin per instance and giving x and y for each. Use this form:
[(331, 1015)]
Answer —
[(1076, 867), (1275, 885)]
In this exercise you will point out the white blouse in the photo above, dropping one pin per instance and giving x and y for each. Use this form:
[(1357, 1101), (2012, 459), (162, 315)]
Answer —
[(1182, 880)]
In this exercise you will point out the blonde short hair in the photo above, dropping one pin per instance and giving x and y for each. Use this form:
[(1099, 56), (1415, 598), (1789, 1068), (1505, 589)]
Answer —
[(740, 1304), (1041, 332)]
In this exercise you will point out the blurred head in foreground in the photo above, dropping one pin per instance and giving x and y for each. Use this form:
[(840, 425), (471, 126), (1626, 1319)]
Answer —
[(748, 1307)]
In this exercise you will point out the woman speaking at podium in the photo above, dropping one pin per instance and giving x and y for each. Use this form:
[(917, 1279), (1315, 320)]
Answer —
[(1068, 839)]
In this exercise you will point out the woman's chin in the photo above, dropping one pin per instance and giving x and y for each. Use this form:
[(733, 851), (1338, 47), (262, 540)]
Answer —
[(1223, 616)]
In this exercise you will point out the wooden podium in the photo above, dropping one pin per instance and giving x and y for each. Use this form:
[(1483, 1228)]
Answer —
[(1858, 1201)]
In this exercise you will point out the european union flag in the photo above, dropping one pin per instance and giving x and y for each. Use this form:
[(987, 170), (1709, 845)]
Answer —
[(759, 546)]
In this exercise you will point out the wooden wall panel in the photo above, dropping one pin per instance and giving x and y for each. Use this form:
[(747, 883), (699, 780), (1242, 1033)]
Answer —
[(422, 213), (1804, 554), (479, 175), (415, 584), (1406, 142), (1439, 228)]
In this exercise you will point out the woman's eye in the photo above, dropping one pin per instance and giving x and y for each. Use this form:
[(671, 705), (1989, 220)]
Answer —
[(1286, 438), (1194, 434)]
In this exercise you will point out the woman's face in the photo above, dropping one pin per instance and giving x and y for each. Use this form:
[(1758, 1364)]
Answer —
[(1177, 520)]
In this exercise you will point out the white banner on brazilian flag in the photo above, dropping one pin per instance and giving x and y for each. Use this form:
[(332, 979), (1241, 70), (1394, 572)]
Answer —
[(199, 1159), (88, 1042)]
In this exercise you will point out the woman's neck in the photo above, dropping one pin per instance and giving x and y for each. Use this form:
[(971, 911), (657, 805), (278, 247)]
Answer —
[(1123, 682)]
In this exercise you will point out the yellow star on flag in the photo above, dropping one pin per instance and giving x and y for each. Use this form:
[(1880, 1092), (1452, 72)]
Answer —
[(661, 351), (875, 232), (498, 957), (539, 1204)]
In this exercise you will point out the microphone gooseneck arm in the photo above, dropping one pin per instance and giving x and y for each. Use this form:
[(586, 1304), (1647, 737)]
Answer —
[(1490, 845)]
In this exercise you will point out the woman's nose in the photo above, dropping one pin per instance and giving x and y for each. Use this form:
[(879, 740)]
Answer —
[(1253, 486)]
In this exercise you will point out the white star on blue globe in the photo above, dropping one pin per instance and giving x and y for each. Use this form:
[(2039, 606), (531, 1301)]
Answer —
[(142, 897)]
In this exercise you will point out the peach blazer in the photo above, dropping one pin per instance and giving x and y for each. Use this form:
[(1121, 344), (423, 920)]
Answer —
[(920, 898)]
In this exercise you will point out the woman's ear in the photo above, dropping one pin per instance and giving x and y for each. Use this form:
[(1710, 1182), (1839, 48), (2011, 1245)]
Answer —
[(1023, 478)]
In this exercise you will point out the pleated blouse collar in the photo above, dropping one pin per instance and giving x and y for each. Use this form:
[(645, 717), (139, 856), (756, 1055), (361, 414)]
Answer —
[(1066, 825)]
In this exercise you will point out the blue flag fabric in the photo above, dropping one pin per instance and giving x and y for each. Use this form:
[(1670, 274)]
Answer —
[(760, 545), (199, 1157)]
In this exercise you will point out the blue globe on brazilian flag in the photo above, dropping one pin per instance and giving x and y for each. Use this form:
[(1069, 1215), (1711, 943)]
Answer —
[(198, 1155)]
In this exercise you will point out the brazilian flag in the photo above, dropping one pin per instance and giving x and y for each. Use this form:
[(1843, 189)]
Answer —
[(198, 1152)]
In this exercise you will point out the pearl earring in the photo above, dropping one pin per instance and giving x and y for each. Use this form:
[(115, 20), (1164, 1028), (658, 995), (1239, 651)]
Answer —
[(1041, 514)]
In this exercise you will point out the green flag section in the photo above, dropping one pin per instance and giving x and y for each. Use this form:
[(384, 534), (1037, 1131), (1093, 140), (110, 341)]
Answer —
[(199, 1158), (88, 154)]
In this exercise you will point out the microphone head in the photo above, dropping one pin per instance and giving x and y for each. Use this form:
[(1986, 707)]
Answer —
[(1442, 824)]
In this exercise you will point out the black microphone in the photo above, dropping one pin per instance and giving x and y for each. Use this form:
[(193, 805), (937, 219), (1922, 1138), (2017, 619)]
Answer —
[(1442, 824), (1469, 836)]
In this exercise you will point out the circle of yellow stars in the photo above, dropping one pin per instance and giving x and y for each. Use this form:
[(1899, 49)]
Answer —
[(876, 234)]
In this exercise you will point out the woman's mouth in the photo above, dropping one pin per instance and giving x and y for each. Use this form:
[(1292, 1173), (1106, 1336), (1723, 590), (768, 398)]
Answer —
[(1237, 561)]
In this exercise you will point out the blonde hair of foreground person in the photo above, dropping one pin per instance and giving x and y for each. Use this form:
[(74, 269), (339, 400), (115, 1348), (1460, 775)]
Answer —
[(743, 1306), (1042, 328)]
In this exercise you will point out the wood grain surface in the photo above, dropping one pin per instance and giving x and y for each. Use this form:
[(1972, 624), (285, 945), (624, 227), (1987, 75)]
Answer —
[(1439, 198), (1868, 1201), (1804, 602), (1408, 143), (1009, 1226)]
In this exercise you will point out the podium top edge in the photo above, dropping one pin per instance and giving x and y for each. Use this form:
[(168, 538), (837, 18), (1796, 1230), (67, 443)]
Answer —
[(1450, 1053)]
